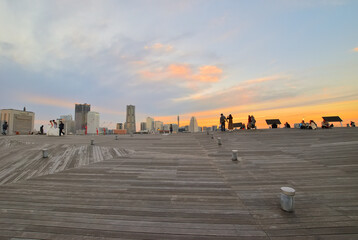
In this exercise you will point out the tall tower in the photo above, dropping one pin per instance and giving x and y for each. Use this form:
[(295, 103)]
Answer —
[(193, 125), (178, 121), (150, 124), (81, 111), (130, 119)]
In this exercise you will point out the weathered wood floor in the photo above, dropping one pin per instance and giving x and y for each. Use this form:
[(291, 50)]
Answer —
[(181, 186)]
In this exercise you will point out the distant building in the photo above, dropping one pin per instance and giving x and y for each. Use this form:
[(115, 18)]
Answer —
[(214, 128), (175, 128), (20, 122), (158, 125), (81, 111), (92, 122), (130, 119), (70, 127), (66, 117), (193, 127), (200, 129), (150, 124), (166, 127), (119, 126), (143, 126)]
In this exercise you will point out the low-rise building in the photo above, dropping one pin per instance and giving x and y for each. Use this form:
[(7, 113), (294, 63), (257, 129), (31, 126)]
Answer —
[(19, 122)]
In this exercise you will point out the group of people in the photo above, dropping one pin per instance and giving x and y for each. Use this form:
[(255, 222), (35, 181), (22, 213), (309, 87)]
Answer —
[(53, 131), (251, 124), (223, 120)]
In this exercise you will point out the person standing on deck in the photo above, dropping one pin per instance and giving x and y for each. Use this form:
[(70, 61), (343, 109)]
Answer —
[(4, 128), (222, 122), (61, 127), (230, 125)]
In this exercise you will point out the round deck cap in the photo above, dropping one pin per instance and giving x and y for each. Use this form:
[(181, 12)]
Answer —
[(288, 191)]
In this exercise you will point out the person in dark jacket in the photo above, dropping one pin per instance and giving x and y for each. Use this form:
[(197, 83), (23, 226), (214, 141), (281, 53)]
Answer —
[(4, 128), (61, 127), (222, 122)]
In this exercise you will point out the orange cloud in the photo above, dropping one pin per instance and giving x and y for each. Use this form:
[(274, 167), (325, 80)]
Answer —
[(265, 79), (159, 47), (179, 70), (210, 70), (207, 73), (356, 49)]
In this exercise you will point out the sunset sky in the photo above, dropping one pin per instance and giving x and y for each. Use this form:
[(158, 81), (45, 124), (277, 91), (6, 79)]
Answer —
[(272, 59)]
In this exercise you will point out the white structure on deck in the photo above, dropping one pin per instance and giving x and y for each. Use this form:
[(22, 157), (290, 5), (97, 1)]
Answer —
[(92, 122), (19, 122)]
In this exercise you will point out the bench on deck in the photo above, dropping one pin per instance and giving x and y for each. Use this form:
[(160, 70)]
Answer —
[(237, 125), (273, 122), (333, 119)]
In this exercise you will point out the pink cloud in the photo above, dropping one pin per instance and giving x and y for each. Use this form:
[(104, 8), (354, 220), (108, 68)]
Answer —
[(356, 49), (207, 73), (265, 79), (159, 47)]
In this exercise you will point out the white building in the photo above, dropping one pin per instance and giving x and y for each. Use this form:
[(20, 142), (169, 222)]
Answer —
[(158, 125), (20, 122), (92, 122), (193, 127), (70, 125), (150, 124)]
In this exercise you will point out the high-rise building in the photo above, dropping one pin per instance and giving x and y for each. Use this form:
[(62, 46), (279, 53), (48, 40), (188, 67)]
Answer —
[(81, 111), (150, 124), (143, 126), (193, 127), (20, 122), (92, 122), (130, 119)]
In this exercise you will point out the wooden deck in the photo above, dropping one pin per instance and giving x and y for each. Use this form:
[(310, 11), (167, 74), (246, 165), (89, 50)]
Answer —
[(181, 186)]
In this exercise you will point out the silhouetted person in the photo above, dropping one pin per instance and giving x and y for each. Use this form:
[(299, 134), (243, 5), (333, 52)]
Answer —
[(249, 122), (253, 122), (222, 122), (287, 125), (42, 129), (325, 124), (229, 118), (312, 125), (4, 128), (353, 124), (61, 127), (171, 128), (274, 125)]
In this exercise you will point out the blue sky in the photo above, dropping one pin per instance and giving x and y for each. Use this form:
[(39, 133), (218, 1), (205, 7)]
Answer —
[(176, 57)]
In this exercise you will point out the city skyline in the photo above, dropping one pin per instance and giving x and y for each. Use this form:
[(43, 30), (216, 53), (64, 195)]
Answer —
[(290, 60)]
